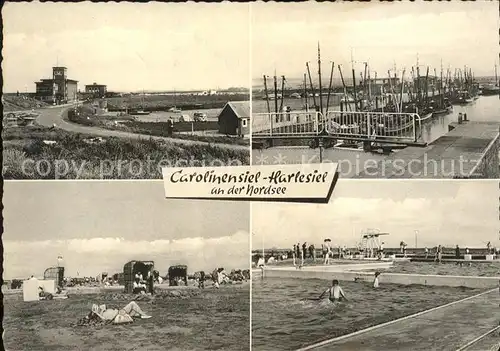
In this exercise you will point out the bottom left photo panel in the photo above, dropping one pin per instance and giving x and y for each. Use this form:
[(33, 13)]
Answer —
[(99, 265)]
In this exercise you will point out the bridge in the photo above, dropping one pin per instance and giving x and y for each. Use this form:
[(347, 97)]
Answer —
[(357, 126)]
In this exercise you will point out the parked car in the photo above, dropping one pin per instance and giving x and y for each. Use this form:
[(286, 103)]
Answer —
[(200, 117), (185, 118)]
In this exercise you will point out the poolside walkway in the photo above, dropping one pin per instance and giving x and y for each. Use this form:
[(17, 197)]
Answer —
[(446, 329)]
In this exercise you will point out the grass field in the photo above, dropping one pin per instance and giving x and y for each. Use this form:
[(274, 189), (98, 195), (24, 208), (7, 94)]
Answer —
[(208, 320), (26, 156), (164, 102)]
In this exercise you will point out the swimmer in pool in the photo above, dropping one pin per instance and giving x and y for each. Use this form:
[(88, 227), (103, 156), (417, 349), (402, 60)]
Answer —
[(375, 281), (335, 292)]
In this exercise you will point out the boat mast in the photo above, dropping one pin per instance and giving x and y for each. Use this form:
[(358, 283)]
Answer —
[(419, 97), (320, 86), (427, 87), (496, 76), (312, 87), (354, 83), (402, 90), (369, 86), (306, 99), (330, 86), (282, 92), (343, 84), (267, 94), (275, 93)]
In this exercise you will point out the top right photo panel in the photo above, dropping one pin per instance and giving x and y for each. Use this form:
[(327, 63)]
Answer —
[(386, 90)]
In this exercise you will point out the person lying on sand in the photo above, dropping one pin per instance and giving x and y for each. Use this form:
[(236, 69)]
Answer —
[(119, 316), (335, 292)]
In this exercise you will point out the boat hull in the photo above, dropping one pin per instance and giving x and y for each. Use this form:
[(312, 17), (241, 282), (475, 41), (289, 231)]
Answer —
[(442, 112)]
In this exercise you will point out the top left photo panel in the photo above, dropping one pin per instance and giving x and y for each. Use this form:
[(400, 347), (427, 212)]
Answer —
[(120, 90)]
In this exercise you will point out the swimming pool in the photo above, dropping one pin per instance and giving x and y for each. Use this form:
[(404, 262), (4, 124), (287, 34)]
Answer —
[(283, 320)]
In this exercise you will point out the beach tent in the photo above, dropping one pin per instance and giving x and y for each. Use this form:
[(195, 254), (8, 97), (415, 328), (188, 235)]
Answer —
[(130, 269), (176, 272)]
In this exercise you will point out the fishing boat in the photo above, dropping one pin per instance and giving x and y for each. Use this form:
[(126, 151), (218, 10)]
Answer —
[(444, 111), (441, 109), (490, 90), (463, 98), (139, 113)]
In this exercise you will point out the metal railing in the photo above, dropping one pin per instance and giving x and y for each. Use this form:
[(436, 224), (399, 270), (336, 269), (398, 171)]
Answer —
[(373, 125), (286, 123), (386, 126)]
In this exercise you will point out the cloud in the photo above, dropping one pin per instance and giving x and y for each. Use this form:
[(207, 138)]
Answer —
[(463, 218), (89, 257)]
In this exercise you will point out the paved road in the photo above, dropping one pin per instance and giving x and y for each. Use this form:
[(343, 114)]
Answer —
[(445, 329), (50, 116)]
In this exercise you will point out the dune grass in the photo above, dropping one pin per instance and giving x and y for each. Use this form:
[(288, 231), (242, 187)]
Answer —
[(26, 156)]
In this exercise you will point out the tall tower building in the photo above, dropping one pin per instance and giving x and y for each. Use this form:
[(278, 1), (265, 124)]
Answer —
[(59, 75)]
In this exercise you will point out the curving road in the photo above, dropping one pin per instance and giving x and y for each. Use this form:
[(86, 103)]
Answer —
[(54, 115)]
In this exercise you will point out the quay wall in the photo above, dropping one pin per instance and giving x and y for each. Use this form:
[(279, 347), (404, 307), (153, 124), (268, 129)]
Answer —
[(388, 278), (488, 165)]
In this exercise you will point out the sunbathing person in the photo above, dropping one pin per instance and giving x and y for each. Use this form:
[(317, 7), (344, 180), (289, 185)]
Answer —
[(139, 287), (119, 316)]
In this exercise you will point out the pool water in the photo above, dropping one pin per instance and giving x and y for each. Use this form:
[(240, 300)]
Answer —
[(282, 318), (448, 268)]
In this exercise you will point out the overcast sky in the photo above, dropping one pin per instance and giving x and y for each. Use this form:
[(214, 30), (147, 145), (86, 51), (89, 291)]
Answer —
[(127, 46), (285, 36), (99, 226), (444, 212)]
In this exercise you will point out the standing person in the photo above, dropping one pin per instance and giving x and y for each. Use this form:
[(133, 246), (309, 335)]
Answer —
[(313, 249), (303, 253), (440, 253), (297, 250), (151, 280), (488, 246), (381, 250), (404, 250), (294, 254), (457, 252), (328, 252), (170, 126), (201, 283), (426, 252)]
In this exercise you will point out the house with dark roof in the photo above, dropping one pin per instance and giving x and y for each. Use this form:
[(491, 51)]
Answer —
[(234, 119)]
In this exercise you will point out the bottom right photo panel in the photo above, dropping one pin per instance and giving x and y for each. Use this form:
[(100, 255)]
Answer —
[(385, 265)]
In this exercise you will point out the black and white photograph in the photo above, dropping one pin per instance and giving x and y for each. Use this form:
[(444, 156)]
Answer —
[(92, 265), (386, 265), (118, 90), (386, 89)]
